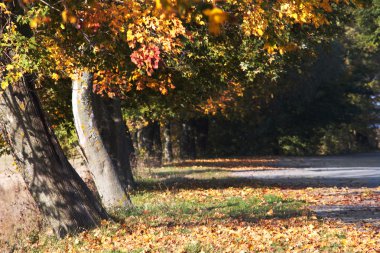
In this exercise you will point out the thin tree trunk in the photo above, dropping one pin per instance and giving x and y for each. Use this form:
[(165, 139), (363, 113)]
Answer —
[(157, 144), (201, 128), (133, 156), (63, 198), (130, 149), (187, 140), (95, 138), (167, 147), (145, 145)]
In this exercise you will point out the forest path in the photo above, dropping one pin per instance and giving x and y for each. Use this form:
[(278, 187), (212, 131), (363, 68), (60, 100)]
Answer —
[(358, 170), (348, 186)]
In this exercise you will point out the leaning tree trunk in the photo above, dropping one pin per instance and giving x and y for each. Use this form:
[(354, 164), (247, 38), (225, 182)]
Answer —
[(95, 139), (61, 195), (167, 145)]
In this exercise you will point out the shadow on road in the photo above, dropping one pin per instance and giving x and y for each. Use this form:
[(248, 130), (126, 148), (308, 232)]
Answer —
[(357, 170), (350, 214)]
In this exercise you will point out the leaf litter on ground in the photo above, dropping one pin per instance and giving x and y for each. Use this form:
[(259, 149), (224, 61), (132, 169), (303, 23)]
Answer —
[(233, 216)]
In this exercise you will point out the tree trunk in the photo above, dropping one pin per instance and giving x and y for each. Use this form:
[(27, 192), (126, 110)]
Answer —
[(61, 195), (149, 145), (187, 140), (130, 149), (157, 144), (201, 129), (116, 139), (145, 141), (98, 137), (167, 147)]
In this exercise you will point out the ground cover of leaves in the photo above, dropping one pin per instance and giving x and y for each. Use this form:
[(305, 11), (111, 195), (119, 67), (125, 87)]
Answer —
[(198, 209)]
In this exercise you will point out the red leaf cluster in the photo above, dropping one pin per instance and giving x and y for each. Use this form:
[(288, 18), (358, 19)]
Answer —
[(147, 57)]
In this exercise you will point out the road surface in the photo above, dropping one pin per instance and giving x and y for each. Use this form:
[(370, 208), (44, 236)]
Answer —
[(359, 170)]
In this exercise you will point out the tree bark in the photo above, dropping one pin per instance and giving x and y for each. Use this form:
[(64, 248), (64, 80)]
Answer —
[(167, 146), (63, 198), (116, 139), (98, 134)]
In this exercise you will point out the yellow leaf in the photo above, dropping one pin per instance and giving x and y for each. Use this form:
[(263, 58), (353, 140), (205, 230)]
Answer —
[(64, 15), (130, 35), (216, 17), (33, 23), (55, 76), (4, 85), (260, 31), (9, 67), (158, 5)]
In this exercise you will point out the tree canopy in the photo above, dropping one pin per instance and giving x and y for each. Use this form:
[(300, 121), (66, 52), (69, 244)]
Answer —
[(134, 44)]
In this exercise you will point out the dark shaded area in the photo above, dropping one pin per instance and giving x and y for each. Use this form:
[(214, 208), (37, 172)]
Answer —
[(148, 145), (188, 140)]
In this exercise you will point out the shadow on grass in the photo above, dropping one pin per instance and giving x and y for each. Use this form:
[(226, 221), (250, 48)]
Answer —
[(178, 183), (185, 172)]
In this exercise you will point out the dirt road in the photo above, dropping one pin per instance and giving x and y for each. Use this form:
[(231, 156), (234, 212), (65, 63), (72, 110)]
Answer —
[(359, 170), (351, 181)]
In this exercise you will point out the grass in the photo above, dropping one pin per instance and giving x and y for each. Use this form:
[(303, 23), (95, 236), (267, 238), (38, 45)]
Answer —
[(177, 209)]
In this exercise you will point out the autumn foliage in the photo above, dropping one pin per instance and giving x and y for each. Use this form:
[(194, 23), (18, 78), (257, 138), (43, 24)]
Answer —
[(121, 42)]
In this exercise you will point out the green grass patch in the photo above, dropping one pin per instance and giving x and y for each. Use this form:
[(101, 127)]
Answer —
[(197, 247), (156, 211)]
